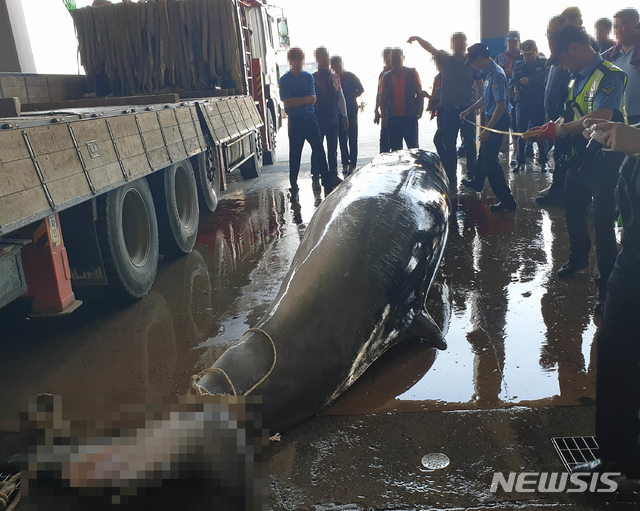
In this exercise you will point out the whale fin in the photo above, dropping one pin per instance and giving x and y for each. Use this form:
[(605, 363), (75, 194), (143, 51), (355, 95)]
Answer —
[(424, 326)]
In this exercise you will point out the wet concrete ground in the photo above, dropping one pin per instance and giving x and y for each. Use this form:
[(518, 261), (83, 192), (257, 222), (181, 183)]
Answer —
[(519, 368)]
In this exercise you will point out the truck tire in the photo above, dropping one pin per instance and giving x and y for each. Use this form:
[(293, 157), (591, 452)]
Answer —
[(270, 156), (176, 198), (128, 236), (253, 166), (208, 178)]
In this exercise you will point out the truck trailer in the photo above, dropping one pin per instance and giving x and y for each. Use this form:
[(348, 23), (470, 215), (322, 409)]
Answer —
[(101, 174)]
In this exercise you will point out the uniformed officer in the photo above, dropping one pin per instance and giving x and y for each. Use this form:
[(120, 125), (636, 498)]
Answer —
[(528, 82), (495, 102), (618, 377), (507, 61), (596, 91)]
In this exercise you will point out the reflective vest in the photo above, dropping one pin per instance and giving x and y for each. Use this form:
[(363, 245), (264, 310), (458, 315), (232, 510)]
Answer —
[(581, 104)]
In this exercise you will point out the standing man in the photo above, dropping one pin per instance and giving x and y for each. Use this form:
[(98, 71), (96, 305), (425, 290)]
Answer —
[(626, 55), (401, 102), (618, 377), (352, 89), (507, 60), (329, 105), (596, 91), (555, 95), (603, 32), (298, 93), (460, 86), (528, 82), (377, 117), (495, 103)]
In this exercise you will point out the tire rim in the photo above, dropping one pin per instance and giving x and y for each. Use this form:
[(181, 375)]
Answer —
[(185, 202), (135, 228)]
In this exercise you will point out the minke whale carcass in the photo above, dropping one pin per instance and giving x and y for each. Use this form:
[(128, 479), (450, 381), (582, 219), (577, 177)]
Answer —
[(357, 286)]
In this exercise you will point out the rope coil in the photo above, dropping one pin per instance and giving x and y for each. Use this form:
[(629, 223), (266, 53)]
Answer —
[(201, 391)]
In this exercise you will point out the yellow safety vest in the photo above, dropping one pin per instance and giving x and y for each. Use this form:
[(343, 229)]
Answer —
[(581, 104)]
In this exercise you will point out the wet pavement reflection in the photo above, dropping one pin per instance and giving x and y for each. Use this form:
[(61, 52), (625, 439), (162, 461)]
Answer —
[(516, 334)]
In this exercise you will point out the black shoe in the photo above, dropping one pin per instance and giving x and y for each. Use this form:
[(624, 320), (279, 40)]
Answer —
[(315, 182), (503, 206), (569, 269), (513, 163), (600, 466), (328, 189), (472, 183)]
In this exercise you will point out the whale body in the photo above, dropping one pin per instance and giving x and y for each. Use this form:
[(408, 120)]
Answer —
[(357, 286)]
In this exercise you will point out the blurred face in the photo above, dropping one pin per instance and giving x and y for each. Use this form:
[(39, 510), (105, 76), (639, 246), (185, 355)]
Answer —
[(397, 59), (386, 58), (480, 63), (572, 59), (602, 32), (513, 46), (576, 21), (625, 30), (336, 65), (530, 56), (458, 44), (322, 58), (552, 27), (296, 63)]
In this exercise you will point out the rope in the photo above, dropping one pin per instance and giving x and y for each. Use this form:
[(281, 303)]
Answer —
[(273, 364), (201, 391), (499, 132)]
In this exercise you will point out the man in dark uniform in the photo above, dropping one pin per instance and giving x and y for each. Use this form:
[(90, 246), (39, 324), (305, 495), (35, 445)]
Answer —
[(377, 117), (596, 91), (618, 358), (555, 95), (352, 89), (461, 84), (330, 105), (496, 105), (298, 93), (528, 82)]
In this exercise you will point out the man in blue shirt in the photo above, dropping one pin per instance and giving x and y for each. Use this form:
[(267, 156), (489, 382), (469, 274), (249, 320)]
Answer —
[(596, 91), (298, 93), (496, 105)]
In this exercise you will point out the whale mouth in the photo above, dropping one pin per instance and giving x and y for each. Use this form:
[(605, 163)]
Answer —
[(219, 379)]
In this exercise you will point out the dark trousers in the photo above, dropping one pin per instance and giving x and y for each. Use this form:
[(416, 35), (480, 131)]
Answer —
[(384, 138), (618, 377), (349, 141), (528, 115), (303, 129), (449, 124), (488, 166), (401, 129), (328, 131), (595, 182), (560, 166)]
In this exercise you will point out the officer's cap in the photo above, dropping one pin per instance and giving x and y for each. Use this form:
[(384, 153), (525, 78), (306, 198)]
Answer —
[(528, 46), (477, 50)]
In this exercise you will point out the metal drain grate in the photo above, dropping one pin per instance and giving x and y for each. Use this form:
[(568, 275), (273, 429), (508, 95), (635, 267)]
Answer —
[(574, 450)]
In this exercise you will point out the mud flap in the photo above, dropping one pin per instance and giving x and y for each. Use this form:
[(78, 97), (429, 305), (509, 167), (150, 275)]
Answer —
[(424, 327)]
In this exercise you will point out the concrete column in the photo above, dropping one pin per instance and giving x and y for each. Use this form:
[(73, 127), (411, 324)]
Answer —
[(16, 54), (494, 24)]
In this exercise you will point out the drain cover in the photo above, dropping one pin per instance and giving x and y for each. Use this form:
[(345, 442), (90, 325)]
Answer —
[(435, 461), (574, 450)]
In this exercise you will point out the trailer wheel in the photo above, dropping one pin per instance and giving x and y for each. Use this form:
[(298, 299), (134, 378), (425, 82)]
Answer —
[(253, 166), (128, 236), (208, 178), (176, 198), (270, 156)]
